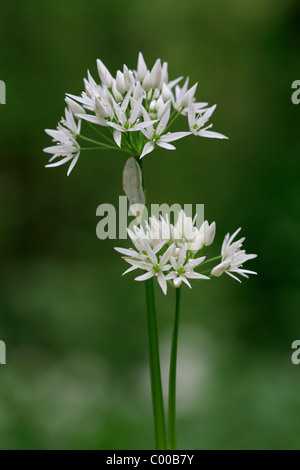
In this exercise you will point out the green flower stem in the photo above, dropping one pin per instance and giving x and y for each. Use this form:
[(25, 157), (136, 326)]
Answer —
[(173, 119), (126, 141), (155, 374), (154, 361), (206, 273), (211, 260), (87, 139), (172, 377), (98, 148), (111, 141), (101, 144)]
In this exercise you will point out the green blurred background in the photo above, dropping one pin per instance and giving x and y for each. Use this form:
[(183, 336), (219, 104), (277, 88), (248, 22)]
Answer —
[(75, 330)]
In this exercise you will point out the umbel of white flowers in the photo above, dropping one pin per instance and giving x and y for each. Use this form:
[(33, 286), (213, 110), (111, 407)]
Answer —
[(171, 252), (137, 108)]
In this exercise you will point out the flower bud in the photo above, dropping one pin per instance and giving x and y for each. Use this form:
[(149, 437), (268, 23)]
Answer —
[(100, 110), (74, 107), (104, 74), (117, 94), (196, 244), (166, 93), (163, 109), (120, 82), (155, 75), (87, 88), (210, 234), (128, 78), (152, 105), (218, 270), (141, 68), (159, 103), (147, 82), (189, 95), (164, 73), (138, 91)]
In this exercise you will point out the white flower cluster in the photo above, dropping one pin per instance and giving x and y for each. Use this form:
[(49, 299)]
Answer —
[(137, 108), (233, 258), (168, 252), (67, 145)]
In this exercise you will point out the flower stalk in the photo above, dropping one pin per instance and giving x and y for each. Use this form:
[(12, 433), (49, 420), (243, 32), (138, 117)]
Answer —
[(155, 373), (172, 377)]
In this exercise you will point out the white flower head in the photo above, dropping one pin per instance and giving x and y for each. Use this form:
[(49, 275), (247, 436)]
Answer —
[(66, 144), (160, 254), (183, 269), (185, 231), (141, 101), (104, 74), (156, 136), (204, 236), (148, 260), (169, 252), (197, 118), (233, 258)]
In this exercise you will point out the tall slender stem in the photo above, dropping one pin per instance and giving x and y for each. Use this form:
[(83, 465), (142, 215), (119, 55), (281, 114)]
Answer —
[(154, 363), (155, 373), (172, 377)]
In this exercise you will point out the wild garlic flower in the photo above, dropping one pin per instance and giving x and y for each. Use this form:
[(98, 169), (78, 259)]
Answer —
[(198, 119), (233, 258), (163, 250), (148, 261), (132, 111), (185, 231), (183, 268), (169, 251), (154, 134), (66, 144)]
